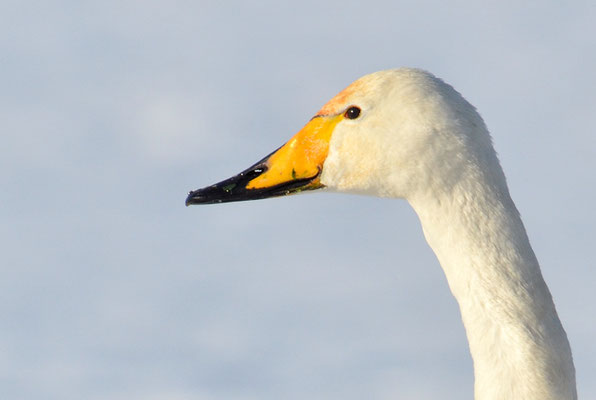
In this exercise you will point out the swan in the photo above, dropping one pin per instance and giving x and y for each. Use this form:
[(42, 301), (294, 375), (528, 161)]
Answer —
[(404, 133)]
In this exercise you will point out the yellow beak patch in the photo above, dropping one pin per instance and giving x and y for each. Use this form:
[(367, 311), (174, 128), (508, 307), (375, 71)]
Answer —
[(300, 158)]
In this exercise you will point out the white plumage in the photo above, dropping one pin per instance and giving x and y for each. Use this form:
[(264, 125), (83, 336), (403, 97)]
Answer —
[(421, 140)]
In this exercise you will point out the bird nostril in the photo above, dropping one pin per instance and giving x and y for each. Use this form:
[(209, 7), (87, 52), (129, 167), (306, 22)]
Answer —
[(253, 173)]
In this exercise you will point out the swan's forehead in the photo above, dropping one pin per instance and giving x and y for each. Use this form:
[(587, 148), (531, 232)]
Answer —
[(343, 99), (366, 91)]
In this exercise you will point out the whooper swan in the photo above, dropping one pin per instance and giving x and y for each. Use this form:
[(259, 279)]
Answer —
[(404, 133)]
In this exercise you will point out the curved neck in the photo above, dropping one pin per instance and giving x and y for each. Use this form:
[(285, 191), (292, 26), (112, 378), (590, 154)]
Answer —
[(517, 342)]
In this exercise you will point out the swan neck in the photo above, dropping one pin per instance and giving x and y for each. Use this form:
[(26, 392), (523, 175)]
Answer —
[(519, 347)]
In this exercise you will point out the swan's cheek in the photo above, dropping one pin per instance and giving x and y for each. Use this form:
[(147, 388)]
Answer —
[(352, 165)]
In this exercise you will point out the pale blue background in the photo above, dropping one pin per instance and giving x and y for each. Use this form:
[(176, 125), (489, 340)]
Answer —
[(111, 111)]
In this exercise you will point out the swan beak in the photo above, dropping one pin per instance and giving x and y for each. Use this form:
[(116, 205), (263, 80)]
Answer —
[(294, 167)]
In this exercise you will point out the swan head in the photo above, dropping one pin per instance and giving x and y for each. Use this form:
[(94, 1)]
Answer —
[(393, 133)]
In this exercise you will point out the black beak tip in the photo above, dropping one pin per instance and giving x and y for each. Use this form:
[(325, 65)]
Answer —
[(191, 198), (208, 195)]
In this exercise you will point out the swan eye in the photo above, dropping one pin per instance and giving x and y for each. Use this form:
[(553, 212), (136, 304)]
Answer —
[(352, 112)]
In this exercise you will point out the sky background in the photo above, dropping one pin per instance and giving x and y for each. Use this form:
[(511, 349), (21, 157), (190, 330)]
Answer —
[(112, 111)]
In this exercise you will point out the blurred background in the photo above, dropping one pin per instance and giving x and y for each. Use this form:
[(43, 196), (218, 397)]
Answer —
[(112, 111)]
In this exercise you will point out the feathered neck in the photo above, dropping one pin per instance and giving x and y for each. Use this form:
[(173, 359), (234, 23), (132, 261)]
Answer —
[(517, 342)]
